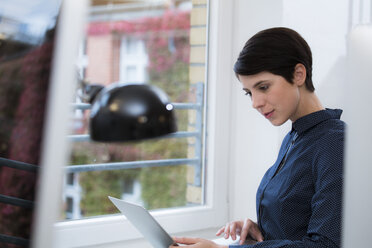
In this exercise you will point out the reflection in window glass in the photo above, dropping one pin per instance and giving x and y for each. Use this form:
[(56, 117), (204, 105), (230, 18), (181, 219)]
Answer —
[(148, 43), (27, 32)]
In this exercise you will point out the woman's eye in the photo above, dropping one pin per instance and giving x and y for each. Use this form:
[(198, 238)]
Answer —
[(264, 87), (248, 93)]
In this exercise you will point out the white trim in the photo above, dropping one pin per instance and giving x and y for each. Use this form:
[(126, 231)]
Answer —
[(116, 229), (219, 111), (55, 143)]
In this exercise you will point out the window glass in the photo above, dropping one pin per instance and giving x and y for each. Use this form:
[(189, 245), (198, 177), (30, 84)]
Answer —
[(27, 32), (69, 205), (142, 42)]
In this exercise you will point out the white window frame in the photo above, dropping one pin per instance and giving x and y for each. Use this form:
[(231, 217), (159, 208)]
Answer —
[(138, 60), (115, 228)]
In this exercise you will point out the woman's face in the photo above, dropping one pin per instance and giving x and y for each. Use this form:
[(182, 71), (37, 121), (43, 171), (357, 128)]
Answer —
[(273, 96)]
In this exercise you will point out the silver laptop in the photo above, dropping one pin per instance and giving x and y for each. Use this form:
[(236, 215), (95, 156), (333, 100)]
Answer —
[(144, 222), (150, 228)]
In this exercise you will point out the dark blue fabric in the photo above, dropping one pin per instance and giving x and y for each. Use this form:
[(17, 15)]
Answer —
[(300, 206)]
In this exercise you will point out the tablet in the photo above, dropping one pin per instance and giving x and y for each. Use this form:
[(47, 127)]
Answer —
[(144, 222)]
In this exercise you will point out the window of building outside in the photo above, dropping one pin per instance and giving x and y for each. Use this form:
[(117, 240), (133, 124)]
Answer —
[(162, 43), (69, 204)]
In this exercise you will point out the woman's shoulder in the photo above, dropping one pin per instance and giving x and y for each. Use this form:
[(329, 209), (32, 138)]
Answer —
[(325, 139), (329, 128)]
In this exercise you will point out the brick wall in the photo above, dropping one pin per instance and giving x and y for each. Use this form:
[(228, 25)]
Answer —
[(100, 60), (198, 39)]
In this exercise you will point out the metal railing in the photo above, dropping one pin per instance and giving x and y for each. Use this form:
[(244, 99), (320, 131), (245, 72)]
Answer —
[(129, 165), (15, 201), (198, 106), (196, 161)]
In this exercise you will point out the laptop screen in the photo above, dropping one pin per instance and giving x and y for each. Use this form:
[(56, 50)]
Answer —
[(27, 32)]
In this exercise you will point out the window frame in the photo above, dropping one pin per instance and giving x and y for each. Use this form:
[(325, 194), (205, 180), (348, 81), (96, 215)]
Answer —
[(138, 60), (215, 211)]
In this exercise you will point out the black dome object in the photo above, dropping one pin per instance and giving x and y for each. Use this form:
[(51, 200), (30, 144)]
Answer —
[(124, 112)]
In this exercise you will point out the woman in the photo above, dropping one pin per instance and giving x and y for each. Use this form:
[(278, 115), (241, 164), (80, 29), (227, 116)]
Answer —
[(300, 197)]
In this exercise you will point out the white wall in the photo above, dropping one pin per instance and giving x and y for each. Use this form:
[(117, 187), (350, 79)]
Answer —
[(358, 170), (255, 142)]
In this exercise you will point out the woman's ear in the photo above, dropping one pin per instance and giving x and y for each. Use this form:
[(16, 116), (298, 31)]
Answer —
[(299, 74)]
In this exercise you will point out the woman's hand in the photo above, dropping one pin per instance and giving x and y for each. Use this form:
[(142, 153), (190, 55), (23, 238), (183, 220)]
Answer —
[(246, 229), (195, 243)]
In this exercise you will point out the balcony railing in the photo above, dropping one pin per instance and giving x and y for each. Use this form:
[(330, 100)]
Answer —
[(15, 201), (198, 106)]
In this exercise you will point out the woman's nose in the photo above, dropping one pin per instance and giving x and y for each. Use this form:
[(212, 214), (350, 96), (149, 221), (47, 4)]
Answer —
[(257, 101)]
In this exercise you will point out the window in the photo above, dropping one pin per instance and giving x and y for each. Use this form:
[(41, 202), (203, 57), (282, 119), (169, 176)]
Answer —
[(175, 54), (128, 186), (70, 179), (26, 54), (69, 202), (133, 60), (132, 191), (155, 47)]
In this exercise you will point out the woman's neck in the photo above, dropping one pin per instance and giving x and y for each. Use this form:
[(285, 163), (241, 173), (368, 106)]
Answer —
[(309, 103)]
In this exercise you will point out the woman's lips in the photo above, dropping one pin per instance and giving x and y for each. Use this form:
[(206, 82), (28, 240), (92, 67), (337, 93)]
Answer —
[(269, 114)]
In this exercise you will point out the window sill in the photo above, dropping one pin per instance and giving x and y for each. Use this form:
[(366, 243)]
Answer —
[(116, 228)]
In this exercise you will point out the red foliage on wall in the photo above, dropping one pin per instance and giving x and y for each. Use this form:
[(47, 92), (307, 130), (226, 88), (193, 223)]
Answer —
[(166, 37), (170, 20)]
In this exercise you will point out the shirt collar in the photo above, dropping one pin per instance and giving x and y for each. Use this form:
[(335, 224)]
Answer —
[(306, 122)]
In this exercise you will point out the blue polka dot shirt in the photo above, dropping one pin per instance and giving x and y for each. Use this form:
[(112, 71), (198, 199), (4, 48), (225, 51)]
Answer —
[(300, 197)]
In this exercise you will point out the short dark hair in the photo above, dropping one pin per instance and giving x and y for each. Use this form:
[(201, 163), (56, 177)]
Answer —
[(278, 51)]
